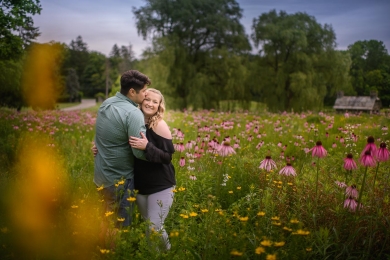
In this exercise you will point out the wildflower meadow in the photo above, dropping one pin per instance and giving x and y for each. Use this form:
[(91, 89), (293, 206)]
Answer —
[(250, 185)]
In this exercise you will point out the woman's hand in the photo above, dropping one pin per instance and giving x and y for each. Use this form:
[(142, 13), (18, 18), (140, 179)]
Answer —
[(94, 150), (138, 143)]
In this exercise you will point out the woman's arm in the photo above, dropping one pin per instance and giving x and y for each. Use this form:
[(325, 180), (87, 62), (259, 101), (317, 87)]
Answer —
[(152, 153)]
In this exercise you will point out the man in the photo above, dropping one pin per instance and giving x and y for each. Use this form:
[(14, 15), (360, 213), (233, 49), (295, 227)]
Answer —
[(119, 118)]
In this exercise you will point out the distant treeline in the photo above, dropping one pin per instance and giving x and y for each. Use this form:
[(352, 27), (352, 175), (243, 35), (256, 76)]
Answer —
[(200, 56)]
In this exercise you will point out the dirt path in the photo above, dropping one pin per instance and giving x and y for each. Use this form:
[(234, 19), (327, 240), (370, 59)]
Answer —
[(85, 103)]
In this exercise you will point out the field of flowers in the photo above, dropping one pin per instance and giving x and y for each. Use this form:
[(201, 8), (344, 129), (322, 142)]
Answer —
[(249, 186)]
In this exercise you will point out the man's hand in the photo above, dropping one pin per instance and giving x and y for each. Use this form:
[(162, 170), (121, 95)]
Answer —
[(138, 143), (94, 150)]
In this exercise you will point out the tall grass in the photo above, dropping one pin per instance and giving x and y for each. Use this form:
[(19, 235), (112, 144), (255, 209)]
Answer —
[(234, 209)]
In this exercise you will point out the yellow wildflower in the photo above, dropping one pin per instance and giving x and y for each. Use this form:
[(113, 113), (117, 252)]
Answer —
[(238, 188), (204, 210), (174, 190), (74, 206), (109, 213), (183, 215), (294, 221), (289, 183), (236, 253), (120, 219), (308, 249), (301, 232), (275, 218), (275, 223), (230, 191), (121, 182), (260, 250), (182, 189), (100, 188), (271, 257), (131, 199), (278, 244), (266, 243), (287, 229), (261, 213), (244, 219), (104, 251), (193, 214)]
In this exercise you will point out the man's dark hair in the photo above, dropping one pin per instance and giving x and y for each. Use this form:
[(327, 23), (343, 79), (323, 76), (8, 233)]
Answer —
[(133, 79)]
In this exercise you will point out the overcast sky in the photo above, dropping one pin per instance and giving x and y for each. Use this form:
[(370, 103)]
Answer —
[(102, 23)]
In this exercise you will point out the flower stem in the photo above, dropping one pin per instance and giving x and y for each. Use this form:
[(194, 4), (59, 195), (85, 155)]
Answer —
[(376, 172), (318, 167), (362, 188)]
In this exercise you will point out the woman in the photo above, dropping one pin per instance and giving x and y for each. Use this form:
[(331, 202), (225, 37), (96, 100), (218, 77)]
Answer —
[(154, 181)]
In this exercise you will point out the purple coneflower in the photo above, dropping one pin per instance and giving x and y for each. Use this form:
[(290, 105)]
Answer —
[(351, 191), (318, 150), (351, 204), (182, 162), (288, 170), (370, 146), (367, 159), (225, 149), (341, 184), (267, 164), (349, 163), (382, 153)]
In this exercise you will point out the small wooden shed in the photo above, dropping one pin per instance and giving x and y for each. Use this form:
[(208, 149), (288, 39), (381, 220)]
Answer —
[(371, 104)]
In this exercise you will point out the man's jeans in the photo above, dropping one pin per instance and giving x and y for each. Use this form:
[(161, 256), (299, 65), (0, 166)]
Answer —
[(115, 199)]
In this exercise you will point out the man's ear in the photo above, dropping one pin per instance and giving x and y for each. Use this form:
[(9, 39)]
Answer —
[(131, 92)]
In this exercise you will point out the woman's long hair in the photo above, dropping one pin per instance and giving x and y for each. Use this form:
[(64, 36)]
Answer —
[(153, 120)]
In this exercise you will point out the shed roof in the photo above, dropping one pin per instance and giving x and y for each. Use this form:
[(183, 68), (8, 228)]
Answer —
[(355, 103)]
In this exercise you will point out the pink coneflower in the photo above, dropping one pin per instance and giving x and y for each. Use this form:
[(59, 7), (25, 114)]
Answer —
[(349, 163), (382, 154), (225, 149), (182, 162), (179, 147), (341, 184), (351, 191), (267, 164), (334, 145), (188, 145), (351, 204), (318, 150), (288, 170), (193, 177), (367, 159), (370, 146)]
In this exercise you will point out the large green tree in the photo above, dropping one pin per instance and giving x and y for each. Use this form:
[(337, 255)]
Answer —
[(370, 70), (298, 60), (16, 26), (193, 32)]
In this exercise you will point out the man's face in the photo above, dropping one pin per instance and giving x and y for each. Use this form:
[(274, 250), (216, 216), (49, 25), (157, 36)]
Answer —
[(140, 96)]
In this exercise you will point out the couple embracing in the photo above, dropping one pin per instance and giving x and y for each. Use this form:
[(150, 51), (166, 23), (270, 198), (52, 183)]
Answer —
[(133, 151)]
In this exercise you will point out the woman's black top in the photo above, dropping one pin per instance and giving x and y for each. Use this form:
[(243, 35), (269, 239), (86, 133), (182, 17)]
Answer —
[(157, 173)]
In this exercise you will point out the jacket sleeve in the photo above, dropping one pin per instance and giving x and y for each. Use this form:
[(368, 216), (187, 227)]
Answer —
[(156, 155)]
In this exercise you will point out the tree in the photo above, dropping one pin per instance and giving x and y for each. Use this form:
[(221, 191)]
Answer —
[(10, 82), (77, 58), (72, 85), (191, 30), (15, 17), (298, 56), (95, 74), (370, 69)]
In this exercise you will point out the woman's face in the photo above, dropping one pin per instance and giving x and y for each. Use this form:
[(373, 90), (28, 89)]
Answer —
[(151, 103)]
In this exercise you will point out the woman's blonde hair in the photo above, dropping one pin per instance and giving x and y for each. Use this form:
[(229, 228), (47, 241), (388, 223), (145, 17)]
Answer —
[(153, 120)]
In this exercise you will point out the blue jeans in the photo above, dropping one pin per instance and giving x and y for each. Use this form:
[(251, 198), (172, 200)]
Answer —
[(115, 200)]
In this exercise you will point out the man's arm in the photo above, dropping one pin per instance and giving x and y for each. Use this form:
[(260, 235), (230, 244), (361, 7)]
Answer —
[(136, 125)]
